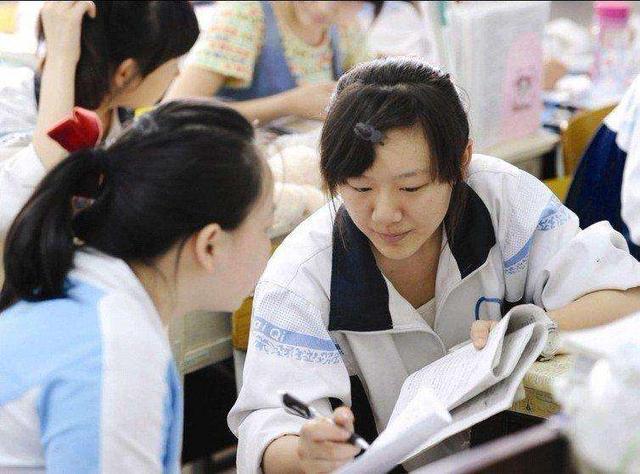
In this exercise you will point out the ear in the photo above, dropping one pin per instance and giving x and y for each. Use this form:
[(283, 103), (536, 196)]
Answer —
[(209, 243), (466, 158), (126, 74)]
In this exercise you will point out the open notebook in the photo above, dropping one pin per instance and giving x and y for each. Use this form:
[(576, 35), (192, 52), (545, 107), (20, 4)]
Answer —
[(455, 392)]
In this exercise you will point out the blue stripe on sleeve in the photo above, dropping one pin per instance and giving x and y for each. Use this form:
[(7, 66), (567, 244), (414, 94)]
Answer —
[(172, 422), (292, 338)]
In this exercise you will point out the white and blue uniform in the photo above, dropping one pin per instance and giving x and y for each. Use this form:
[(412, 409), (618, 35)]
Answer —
[(88, 382), (606, 185), (329, 327)]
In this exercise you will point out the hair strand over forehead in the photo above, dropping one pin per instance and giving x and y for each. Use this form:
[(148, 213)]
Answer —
[(388, 94)]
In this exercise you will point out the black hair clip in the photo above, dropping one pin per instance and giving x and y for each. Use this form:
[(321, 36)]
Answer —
[(369, 133)]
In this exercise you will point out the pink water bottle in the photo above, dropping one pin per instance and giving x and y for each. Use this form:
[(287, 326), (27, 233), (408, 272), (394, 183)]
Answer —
[(612, 48)]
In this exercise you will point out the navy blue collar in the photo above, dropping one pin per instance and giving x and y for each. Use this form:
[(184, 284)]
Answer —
[(359, 294)]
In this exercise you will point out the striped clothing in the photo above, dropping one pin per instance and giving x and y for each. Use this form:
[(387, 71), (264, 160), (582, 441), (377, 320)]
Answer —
[(87, 382)]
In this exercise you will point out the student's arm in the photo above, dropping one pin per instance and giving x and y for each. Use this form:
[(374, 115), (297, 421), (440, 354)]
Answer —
[(195, 81), (594, 309), (21, 173), (62, 23), (305, 101), (289, 349), (589, 279), (582, 278)]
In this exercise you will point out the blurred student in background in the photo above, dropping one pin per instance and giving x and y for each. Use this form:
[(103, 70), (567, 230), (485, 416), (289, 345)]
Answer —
[(274, 58), (100, 56), (606, 185)]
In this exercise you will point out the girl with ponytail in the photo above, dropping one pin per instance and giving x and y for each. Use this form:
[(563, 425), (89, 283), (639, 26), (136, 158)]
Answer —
[(177, 221)]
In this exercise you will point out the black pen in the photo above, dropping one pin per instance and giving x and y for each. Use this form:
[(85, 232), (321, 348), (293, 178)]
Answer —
[(293, 406)]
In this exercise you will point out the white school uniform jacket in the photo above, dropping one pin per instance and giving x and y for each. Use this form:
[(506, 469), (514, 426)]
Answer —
[(329, 328), (87, 382)]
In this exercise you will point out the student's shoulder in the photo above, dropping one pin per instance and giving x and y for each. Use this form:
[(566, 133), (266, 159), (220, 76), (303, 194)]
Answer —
[(482, 166), (132, 327), (514, 198), (494, 178), (307, 249)]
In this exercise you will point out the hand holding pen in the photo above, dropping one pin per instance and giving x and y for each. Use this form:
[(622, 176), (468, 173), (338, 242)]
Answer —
[(325, 443)]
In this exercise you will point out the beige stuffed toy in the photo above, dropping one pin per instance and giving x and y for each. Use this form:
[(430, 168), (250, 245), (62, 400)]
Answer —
[(297, 194)]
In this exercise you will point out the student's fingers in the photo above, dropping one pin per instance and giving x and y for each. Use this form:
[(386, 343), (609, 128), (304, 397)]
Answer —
[(479, 328), (322, 446), (322, 429), (480, 333), (343, 417), (82, 7)]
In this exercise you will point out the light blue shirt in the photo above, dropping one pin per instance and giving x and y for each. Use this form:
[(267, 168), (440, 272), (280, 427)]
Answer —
[(87, 382)]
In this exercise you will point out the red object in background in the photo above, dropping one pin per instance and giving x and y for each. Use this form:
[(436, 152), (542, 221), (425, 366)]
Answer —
[(82, 129)]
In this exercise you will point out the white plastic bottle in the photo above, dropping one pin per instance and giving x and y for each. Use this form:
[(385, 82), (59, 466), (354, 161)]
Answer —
[(612, 50)]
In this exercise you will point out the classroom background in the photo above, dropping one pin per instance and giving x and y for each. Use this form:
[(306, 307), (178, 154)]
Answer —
[(538, 79)]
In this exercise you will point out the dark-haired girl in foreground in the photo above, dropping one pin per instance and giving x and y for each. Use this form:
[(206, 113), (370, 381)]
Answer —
[(179, 223), (427, 241)]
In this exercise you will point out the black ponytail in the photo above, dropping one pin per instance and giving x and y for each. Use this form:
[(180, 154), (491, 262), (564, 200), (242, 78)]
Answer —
[(39, 245), (185, 165)]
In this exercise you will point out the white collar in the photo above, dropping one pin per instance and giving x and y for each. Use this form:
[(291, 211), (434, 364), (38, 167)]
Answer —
[(114, 275)]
